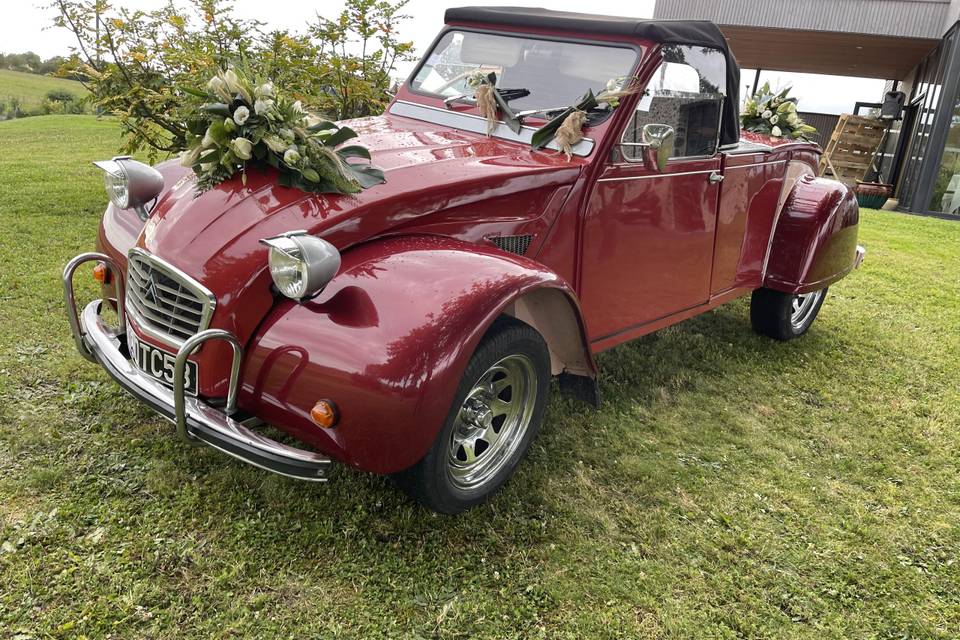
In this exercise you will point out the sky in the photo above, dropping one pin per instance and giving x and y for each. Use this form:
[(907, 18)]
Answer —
[(26, 26)]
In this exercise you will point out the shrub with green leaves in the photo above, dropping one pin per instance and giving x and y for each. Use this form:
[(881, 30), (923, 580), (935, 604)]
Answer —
[(241, 123), (60, 95), (135, 62)]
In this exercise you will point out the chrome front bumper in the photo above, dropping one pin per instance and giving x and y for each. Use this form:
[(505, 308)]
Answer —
[(197, 422)]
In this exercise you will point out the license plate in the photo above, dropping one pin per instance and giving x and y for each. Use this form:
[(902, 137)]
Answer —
[(158, 364)]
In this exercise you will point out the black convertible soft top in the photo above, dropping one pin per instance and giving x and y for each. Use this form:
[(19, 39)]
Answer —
[(702, 33)]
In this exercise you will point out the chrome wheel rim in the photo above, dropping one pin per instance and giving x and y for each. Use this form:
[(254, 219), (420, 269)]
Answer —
[(492, 421), (803, 307)]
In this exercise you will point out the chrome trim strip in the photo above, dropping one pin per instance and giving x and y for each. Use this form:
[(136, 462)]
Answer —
[(773, 232), (744, 147), (202, 421), (758, 164), (206, 298), (657, 175), (476, 124)]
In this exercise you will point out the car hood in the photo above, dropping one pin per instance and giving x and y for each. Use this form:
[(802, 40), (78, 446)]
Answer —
[(215, 236)]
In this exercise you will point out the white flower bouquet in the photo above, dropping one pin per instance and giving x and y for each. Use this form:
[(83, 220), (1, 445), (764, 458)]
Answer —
[(774, 114), (243, 124)]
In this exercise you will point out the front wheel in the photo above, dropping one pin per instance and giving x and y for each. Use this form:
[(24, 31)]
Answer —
[(784, 316), (495, 415)]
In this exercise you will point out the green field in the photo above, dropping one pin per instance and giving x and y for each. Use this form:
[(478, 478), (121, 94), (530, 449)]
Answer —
[(729, 487), (31, 89)]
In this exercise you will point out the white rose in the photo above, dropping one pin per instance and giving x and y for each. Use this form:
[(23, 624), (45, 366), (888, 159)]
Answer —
[(208, 140), (241, 115), (265, 90), (774, 119), (291, 156), (775, 132), (297, 107), (261, 106), (767, 113), (242, 148)]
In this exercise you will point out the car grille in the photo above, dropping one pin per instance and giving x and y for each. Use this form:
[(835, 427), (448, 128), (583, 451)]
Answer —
[(164, 302)]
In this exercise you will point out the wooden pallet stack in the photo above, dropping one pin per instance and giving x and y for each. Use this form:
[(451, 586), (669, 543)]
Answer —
[(852, 147)]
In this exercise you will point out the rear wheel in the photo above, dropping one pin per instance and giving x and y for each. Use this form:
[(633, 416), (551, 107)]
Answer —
[(784, 316), (495, 415)]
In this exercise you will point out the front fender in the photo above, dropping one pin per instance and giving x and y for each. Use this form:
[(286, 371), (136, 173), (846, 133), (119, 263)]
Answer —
[(387, 341), (815, 240)]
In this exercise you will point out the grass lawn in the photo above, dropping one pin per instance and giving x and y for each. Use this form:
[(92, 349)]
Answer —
[(730, 486), (31, 89)]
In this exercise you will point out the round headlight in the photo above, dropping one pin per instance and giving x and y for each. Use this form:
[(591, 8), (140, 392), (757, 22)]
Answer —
[(301, 265), (117, 188), (130, 184)]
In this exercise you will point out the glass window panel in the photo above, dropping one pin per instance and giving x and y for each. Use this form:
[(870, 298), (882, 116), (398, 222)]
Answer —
[(557, 74), (685, 92)]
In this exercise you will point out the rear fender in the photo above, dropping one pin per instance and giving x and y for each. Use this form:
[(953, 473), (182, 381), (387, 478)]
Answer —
[(389, 339), (815, 240)]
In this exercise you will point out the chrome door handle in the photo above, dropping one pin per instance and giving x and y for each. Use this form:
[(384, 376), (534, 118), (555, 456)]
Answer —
[(715, 177)]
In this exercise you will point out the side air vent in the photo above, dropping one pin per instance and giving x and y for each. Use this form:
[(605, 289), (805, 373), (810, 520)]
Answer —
[(513, 244)]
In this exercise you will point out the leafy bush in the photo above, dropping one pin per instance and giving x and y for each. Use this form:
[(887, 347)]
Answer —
[(60, 95), (136, 64)]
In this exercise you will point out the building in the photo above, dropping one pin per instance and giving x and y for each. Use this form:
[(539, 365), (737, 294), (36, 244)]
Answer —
[(913, 44)]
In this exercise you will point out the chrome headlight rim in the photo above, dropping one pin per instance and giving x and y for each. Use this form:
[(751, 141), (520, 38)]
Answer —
[(301, 265), (130, 184)]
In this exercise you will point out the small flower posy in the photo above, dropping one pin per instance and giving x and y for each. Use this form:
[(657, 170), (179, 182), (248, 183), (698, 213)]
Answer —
[(774, 115), (242, 124)]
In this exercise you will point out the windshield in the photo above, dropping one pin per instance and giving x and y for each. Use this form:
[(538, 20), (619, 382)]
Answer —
[(556, 74)]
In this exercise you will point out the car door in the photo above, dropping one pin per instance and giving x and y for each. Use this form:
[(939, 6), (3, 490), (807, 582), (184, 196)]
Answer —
[(647, 249)]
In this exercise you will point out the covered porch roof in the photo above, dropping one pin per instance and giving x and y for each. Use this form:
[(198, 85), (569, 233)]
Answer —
[(832, 53), (865, 38)]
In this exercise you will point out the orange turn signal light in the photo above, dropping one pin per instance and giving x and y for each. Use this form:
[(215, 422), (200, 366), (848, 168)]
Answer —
[(325, 414), (101, 273)]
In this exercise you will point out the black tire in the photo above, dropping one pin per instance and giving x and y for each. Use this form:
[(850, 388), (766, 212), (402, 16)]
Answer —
[(774, 314), (433, 481)]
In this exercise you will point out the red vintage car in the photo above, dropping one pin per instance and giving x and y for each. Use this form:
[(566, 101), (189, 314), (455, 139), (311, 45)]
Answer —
[(413, 329)]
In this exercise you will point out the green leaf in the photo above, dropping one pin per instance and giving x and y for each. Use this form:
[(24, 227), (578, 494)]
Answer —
[(219, 133), (193, 92), (216, 108), (543, 135), (340, 136), (367, 176), (310, 174), (354, 151), (323, 125), (509, 117)]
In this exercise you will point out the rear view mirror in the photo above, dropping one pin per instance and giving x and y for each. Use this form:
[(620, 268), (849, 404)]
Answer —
[(659, 139), (655, 150)]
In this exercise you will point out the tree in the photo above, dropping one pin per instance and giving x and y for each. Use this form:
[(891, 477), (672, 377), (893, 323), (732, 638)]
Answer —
[(145, 66), (360, 82)]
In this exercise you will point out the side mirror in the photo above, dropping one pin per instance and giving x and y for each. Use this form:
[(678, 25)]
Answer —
[(659, 139), (654, 151)]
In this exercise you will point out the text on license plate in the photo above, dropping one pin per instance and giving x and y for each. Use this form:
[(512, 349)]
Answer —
[(158, 364)]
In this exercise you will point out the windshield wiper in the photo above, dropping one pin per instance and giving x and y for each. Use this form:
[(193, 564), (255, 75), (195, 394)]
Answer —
[(506, 94)]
